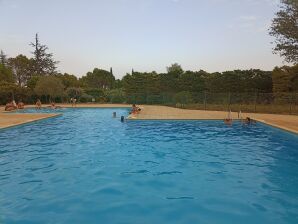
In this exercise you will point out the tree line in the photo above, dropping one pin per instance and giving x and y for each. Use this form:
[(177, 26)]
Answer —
[(27, 79)]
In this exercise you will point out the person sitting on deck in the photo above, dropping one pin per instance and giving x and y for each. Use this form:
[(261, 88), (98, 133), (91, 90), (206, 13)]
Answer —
[(21, 105), (135, 109), (10, 106), (38, 104)]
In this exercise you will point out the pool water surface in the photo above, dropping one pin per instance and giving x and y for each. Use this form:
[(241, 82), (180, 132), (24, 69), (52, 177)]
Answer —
[(87, 167)]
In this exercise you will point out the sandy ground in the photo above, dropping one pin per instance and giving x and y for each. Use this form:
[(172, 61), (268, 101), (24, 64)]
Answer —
[(287, 122)]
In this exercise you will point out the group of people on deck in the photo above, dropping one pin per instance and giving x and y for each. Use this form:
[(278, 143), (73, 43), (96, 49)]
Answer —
[(13, 105)]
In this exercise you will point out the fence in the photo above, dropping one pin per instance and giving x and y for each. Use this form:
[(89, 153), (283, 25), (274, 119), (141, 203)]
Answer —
[(280, 103)]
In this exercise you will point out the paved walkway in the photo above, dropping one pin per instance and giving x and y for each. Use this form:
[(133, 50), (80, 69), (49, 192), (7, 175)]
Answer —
[(287, 122)]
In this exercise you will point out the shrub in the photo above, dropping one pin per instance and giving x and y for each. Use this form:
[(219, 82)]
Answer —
[(183, 97), (85, 98), (49, 86)]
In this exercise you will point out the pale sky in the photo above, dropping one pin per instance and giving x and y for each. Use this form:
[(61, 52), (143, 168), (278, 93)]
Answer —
[(146, 35)]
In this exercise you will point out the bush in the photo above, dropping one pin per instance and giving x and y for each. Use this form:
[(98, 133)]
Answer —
[(85, 98), (183, 97), (95, 92), (10, 91), (115, 96), (73, 92), (49, 86)]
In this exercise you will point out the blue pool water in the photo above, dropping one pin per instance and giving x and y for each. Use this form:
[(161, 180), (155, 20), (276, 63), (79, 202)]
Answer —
[(86, 167)]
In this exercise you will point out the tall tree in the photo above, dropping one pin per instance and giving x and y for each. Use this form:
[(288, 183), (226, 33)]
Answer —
[(21, 68), (99, 78), (68, 80), (3, 58), (175, 69), (285, 29), (44, 64)]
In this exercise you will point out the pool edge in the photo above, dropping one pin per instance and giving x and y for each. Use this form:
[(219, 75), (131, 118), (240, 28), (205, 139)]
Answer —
[(47, 116)]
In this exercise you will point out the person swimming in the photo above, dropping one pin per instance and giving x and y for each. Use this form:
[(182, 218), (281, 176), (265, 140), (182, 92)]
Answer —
[(248, 121), (53, 106)]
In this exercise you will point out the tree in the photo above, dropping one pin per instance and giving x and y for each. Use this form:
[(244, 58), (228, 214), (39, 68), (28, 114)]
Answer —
[(285, 29), (285, 79), (21, 68), (115, 96), (49, 86), (68, 80), (31, 83), (99, 78), (3, 58), (74, 92), (44, 64), (7, 90), (6, 74), (184, 97), (175, 69)]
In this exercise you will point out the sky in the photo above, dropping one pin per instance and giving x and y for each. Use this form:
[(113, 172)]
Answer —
[(146, 35)]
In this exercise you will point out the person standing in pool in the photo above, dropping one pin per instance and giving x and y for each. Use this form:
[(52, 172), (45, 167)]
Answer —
[(38, 104), (248, 121), (229, 119)]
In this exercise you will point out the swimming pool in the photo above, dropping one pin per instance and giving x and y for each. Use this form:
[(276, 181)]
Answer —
[(86, 167)]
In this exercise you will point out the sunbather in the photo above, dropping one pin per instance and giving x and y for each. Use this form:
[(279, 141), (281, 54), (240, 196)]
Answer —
[(21, 105), (10, 106)]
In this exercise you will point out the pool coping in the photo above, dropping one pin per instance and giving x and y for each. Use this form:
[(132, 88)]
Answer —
[(32, 120), (213, 119), (52, 115), (277, 126), (125, 106)]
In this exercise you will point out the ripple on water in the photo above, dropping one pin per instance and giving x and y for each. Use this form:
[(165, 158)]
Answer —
[(86, 167)]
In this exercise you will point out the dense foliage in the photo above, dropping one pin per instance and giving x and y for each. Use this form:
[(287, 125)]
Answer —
[(285, 29), (26, 79)]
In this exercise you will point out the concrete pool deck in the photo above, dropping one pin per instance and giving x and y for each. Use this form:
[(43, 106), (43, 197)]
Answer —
[(286, 122), (150, 112), (11, 119)]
